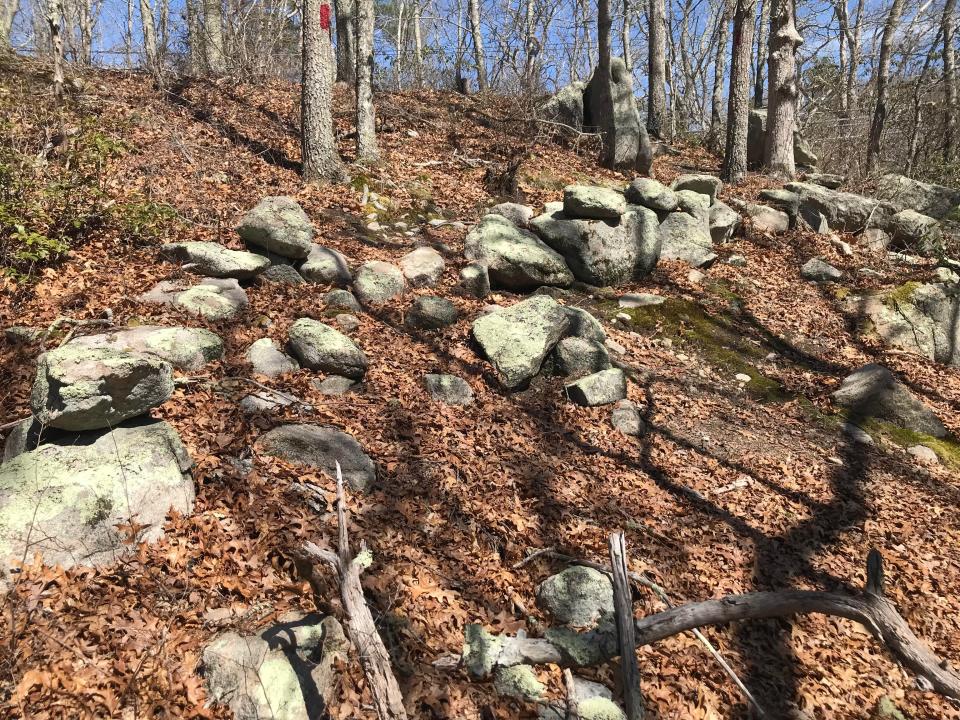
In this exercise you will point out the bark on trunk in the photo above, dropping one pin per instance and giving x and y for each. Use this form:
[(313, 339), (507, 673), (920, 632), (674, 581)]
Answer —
[(366, 120), (213, 36), (761, 56), (54, 20), (479, 57), (128, 37), (625, 35), (875, 142), (318, 144), (8, 8), (149, 37), (417, 46), (194, 38), (783, 91), (738, 103), (949, 26), (626, 640), (657, 95), (719, 71), (346, 41)]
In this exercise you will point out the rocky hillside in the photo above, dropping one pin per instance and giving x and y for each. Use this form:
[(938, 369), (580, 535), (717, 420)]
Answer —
[(757, 384)]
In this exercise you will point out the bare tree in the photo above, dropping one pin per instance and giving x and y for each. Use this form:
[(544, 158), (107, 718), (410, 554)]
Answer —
[(657, 73), (149, 37), (346, 40), (54, 22), (882, 78), (763, 28), (417, 45), (8, 9), (321, 161), (625, 35), (194, 38), (213, 36), (948, 29), (783, 92), (738, 103), (366, 120), (479, 57), (715, 142)]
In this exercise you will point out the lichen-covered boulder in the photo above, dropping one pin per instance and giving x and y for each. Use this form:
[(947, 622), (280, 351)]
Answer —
[(519, 682), (184, 348), (267, 359), (817, 270), (565, 107), (686, 236), (583, 324), (919, 233), (724, 221), (422, 267), (651, 194), (600, 388), (842, 211), (475, 280), (321, 447), (578, 597), (431, 313), (517, 339), (576, 357), (214, 260), (377, 282), (516, 213), (341, 300), (590, 202), (784, 200), (279, 225), (211, 298), (767, 219), (516, 259), (65, 499), (448, 389), (79, 388), (320, 347), (626, 418), (873, 391), (708, 185), (903, 193), (327, 266)]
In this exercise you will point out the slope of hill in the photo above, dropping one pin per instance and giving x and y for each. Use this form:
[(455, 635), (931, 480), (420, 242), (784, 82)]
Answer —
[(735, 486)]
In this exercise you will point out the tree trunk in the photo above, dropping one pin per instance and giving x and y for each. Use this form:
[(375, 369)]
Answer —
[(625, 35), (783, 91), (738, 103), (318, 143), (657, 74), (918, 87), (949, 29), (366, 120), (417, 45), (529, 50), (149, 37), (213, 36), (842, 52), (479, 58), (54, 21), (346, 41), (194, 38), (875, 142), (719, 70), (128, 36), (8, 9), (762, 38)]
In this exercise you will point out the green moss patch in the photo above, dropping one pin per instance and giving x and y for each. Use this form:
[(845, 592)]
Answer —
[(901, 295), (948, 450)]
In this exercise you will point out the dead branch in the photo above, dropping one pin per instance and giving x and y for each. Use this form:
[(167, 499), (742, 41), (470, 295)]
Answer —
[(573, 712), (872, 609), (623, 607), (106, 321), (374, 658)]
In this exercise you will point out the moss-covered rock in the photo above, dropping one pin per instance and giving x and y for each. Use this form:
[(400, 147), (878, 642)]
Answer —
[(320, 347), (519, 682)]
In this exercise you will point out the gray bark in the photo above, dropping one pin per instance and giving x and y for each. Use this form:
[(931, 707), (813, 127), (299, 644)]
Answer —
[(213, 36), (874, 144), (8, 9), (657, 96), (366, 119), (625, 35), (346, 41), (54, 21), (761, 56), (949, 31), (479, 57), (149, 37), (623, 604), (719, 70), (321, 160), (783, 91), (194, 38), (738, 103)]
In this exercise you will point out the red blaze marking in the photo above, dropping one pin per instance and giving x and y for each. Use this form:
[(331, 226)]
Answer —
[(325, 16)]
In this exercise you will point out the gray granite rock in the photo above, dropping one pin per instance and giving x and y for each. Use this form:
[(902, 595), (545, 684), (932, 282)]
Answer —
[(321, 447)]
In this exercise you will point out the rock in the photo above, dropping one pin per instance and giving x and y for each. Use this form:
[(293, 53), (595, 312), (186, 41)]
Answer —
[(825, 179), (212, 298), (475, 280), (267, 359), (282, 275), (904, 193), (696, 277), (757, 141), (448, 389), (886, 709), (708, 185), (844, 247), (280, 225), (615, 347), (767, 219), (21, 335), (599, 708), (577, 597), (431, 313), (600, 388), (610, 106), (214, 260), (65, 500), (626, 419), (516, 213), (590, 202), (685, 237), (873, 391), (517, 339), (346, 322), (651, 194), (635, 300), (596, 698), (737, 261), (319, 347), (326, 266), (519, 682), (79, 388), (920, 233), (945, 275), (422, 267), (378, 282), (583, 324), (803, 155), (602, 253), (264, 401), (694, 203), (876, 239), (924, 455), (857, 434), (334, 385), (817, 270), (320, 447), (566, 106), (783, 200), (184, 348), (724, 222), (516, 259), (576, 357), (341, 300), (845, 212), (286, 672)]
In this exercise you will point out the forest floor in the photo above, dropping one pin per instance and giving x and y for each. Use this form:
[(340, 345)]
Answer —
[(735, 487)]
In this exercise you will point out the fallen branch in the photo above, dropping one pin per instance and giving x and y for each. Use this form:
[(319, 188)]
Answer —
[(483, 652), (623, 607), (374, 658), (64, 320)]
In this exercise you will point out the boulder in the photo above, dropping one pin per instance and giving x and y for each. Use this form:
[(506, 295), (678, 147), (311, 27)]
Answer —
[(708, 185), (516, 259), (519, 682), (264, 401), (919, 233), (757, 140), (267, 359), (431, 313), (326, 266), (212, 298), (603, 253), (600, 388), (784, 200), (334, 385), (842, 211), (828, 181), (903, 193), (594, 702), (566, 106), (767, 220), (319, 347), (685, 235), (590, 202), (817, 270), (583, 324), (65, 499), (517, 339), (279, 225), (286, 672), (626, 419), (873, 391), (378, 282), (610, 106), (576, 357), (448, 389), (214, 260), (651, 194), (475, 280), (346, 322), (184, 348), (321, 447), (341, 300), (422, 267), (875, 239), (516, 213), (577, 597), (281, 275), (80, 388), (724, 221)]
